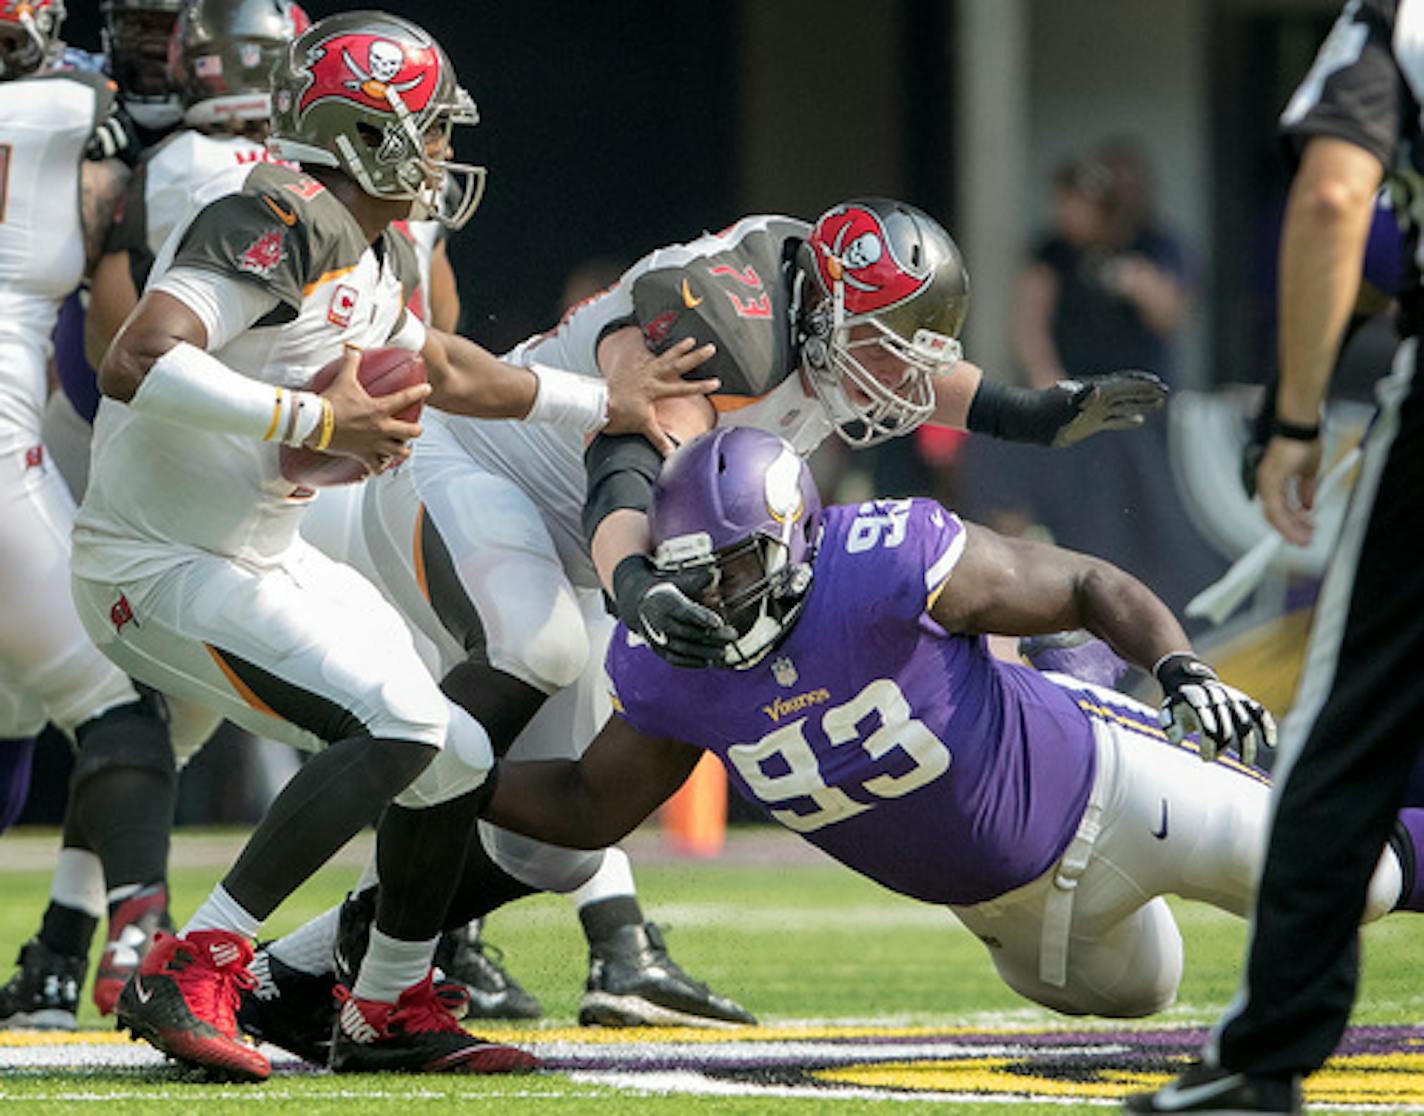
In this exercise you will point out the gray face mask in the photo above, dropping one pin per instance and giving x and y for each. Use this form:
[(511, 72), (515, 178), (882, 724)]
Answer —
[(154, 113)]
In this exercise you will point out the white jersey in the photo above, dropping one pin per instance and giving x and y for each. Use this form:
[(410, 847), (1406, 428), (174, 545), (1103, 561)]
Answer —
[(159, 491), (760, 386), (177, 178), (45, 123)]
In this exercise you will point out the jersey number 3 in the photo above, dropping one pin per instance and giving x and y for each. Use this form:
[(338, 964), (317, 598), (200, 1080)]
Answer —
[(782, 766)]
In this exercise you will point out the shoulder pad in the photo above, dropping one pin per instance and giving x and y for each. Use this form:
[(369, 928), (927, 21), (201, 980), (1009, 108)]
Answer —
[(733, 289), (103, 87)]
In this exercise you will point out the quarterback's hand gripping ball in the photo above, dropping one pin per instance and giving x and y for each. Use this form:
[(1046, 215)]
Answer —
[(381, 372)]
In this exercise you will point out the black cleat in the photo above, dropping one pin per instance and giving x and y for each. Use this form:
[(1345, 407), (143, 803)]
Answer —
[(289, 1008), (353, 934), (44, 994), (463, 957), (1214, 1091), (416, 1034), (632, 982)]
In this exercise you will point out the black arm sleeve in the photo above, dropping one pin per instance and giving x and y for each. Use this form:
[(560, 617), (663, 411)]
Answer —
[(621, 471), (1017, 414)]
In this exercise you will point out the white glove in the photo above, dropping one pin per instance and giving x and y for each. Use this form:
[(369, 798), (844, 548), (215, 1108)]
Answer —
[(1196, 700)]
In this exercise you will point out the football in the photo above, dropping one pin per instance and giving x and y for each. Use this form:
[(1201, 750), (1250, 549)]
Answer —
[(382, 372)]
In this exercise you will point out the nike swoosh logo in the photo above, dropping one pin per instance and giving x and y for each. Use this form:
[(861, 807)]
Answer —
[(288, 217), (143, 994), (1161, 831), (688, 298), (1172, 1097)]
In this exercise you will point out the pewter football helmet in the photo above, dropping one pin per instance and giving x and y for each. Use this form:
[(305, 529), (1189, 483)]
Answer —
[(221, 55), (889, 266), (29, 32), (375, 96)]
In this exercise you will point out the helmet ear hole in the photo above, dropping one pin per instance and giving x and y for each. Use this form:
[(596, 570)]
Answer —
[(370, 134)]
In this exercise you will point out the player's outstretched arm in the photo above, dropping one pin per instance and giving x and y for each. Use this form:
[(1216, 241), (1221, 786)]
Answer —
[(1022, 587), (468, 380), (1061, 415), (597, 800)]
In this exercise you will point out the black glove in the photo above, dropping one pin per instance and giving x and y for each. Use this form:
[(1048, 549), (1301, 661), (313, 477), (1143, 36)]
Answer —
[(1196, 700), (1067, 412), (661, 608), (115, 138), (1114, 401)]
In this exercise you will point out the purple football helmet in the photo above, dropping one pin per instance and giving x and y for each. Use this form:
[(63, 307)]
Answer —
[(743, 503)]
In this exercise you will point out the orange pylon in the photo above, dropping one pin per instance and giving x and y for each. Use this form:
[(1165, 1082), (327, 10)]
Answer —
[(694, 820)]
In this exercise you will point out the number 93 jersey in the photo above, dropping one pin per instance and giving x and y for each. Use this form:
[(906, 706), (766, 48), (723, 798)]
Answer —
[(910, 755)]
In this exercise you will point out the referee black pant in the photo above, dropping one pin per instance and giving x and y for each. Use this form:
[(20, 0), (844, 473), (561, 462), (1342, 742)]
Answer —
[(1351, 741)]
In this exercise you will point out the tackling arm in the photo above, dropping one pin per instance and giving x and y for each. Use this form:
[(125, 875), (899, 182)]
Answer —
[(1018, 587), (1013, 586), (597, 800)]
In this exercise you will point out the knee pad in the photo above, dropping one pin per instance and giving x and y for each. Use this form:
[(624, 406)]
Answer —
[(545, 867), (551, 657), (460, 767), (132, 735)]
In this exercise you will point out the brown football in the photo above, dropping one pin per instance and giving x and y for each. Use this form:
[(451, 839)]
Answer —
[(382, 372)]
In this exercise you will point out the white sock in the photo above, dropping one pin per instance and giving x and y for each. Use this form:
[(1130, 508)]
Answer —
[(220, 911), (78, 882), (309, 947), (613, 878), (391, 966)]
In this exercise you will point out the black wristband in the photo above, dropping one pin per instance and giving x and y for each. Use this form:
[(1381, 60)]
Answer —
[(1294, 431)]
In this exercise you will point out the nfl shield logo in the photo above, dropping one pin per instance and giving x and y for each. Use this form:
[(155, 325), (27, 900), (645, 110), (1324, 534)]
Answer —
[(784, 671), (251, 55)]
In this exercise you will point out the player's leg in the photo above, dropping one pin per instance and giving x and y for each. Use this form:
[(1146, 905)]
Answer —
[(632, 979), (122, 792), (310, 654)]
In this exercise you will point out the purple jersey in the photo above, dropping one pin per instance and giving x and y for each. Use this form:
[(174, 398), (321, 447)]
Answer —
[(908, 754)]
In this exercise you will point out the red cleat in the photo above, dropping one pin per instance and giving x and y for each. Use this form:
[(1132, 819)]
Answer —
[(131, 929), (416, 1034), (183, 999)]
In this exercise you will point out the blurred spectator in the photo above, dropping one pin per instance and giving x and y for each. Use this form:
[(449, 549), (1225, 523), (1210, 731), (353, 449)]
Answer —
[(1105, 289)]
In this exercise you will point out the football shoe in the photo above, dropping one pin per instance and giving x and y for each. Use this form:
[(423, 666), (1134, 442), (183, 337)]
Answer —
[(131, 928), (416, 1034), (632, 982), (1214, 1091), (183, 999), (464, 957), (289, 1008), (43, 995)]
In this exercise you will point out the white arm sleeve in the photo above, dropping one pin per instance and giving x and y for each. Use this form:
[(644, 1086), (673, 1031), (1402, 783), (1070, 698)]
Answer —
[(192, 388), (224, 304)]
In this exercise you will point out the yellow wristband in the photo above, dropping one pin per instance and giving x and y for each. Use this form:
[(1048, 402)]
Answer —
[(328, 425), (276, 416)]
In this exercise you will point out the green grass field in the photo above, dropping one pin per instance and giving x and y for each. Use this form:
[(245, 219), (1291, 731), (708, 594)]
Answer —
[(799, 941)]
